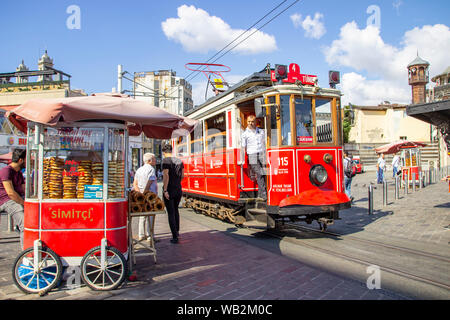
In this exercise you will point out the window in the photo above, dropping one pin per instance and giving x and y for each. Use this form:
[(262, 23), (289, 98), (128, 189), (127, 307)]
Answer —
[(273, 122), (216, 133), (324, 128), (197, 139), (303, 120), (182, 146), (286, 139), (116, 164), (73, 163)]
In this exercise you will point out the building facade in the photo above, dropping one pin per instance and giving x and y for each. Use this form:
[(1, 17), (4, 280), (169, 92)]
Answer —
[(386, 123), (165, 90), (22, 85)]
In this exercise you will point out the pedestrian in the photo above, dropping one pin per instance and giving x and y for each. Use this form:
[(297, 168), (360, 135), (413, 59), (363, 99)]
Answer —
[(395, 165), (348, 174), (12, 189), (381, 165), (173, 172), (253, 143), (145, 180)]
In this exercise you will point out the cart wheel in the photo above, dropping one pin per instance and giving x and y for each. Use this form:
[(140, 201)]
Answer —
[(108, 278), (44, 279)]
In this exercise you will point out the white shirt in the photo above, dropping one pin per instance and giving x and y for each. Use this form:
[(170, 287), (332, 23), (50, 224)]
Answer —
[(143, 174), (381, 163), (253, 140), (396, 161)]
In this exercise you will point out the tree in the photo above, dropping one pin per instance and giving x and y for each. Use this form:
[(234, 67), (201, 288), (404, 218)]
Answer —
[(347, 123)]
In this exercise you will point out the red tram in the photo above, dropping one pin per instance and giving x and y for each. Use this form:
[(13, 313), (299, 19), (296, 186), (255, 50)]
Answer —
[(303, 127)]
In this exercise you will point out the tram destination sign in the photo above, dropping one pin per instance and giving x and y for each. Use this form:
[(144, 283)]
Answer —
[(294, 75)]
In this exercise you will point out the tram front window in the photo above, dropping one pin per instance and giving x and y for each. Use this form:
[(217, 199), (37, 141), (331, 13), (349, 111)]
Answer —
[(323, 121), (303, 120), (286, 139)]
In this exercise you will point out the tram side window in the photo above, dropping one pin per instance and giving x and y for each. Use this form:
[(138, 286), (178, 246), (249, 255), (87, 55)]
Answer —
[(273, 123), (216, 133), (182, 146), (303, 120), (286, 134), (197, 139), (324, 127)]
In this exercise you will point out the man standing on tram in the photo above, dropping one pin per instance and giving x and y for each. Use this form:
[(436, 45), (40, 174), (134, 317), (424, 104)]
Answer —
[(253, 143)]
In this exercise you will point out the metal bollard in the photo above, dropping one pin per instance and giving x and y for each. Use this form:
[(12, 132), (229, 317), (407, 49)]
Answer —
[(430, 175), (396, 195), (370, 199), (406, 186), (414, 182), (420, 180), (385, 193)]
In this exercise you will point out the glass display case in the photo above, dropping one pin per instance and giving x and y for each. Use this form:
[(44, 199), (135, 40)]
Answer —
[(80, 162)]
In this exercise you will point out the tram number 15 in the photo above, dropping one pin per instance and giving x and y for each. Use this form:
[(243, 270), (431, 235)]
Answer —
[(283, 162)]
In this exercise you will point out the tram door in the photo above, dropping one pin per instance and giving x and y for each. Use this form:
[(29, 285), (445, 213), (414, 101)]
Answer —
[(247, 175)]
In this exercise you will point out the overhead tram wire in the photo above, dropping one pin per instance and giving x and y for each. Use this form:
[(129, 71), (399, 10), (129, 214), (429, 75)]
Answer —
[(276, 7), (257, 30), (248, 29)]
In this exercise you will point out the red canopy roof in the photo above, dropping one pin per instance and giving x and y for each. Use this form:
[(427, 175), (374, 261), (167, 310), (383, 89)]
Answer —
[(395, 147), (140, 116)]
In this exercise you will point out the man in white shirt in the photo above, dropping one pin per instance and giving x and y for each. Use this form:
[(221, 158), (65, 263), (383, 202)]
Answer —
[(381, 164), (253, 143), (395, 165), (145, 179)]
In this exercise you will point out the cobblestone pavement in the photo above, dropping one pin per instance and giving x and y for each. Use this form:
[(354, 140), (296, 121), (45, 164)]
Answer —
[(423, 215), (208, 264)]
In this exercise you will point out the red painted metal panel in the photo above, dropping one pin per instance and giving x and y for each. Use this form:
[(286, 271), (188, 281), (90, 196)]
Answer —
[(72, 243), (282, 176), (31, 215), (215, 163), (73, 215), (118, 239), (116, 214), (29, 237)]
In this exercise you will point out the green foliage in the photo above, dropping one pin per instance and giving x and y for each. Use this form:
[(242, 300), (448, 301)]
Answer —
[(347, 123)]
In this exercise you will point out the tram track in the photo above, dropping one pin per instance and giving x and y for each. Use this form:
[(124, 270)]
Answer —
[(349, 256), (338, 235)]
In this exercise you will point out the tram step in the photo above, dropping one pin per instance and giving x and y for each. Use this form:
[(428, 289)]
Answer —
[(255, 224), (256, 211)]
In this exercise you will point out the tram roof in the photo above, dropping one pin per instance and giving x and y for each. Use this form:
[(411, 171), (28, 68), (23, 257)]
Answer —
[(247, 87)]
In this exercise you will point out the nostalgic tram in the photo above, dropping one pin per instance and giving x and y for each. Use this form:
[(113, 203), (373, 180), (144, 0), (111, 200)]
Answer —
[(303, 127)]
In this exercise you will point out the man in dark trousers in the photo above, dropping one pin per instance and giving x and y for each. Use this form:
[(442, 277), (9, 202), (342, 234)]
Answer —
[(173, 171), (12, 189)]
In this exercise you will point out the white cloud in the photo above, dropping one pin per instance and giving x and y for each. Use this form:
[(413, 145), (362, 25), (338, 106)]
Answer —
[(197, 31), (314, 27), (386, 65)]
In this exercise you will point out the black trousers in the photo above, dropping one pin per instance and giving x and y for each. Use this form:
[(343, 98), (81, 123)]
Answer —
[(172, 212)]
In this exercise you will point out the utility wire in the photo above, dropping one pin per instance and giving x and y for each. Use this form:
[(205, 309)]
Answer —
[(259, 28)]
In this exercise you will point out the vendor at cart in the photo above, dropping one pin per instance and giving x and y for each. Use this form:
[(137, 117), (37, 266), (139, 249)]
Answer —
[(12, 189), (144, 180)]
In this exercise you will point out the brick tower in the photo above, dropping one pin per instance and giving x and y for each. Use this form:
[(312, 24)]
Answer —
[(418, 79)]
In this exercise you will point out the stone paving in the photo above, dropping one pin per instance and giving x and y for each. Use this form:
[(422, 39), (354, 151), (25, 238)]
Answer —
[(423, 215), (208, 264)]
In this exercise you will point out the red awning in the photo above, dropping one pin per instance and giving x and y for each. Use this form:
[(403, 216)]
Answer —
[(139, 115), (395, 147)]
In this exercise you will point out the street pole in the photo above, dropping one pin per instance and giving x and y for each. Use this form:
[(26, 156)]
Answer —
[(370, 199)]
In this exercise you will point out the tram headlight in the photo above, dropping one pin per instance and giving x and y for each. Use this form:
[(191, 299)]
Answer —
[(318, 175)]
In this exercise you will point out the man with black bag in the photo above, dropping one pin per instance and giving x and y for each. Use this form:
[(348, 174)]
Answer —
[(349, 173)]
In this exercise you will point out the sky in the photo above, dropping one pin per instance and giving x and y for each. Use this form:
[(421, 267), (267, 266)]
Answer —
[(369, 42)]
